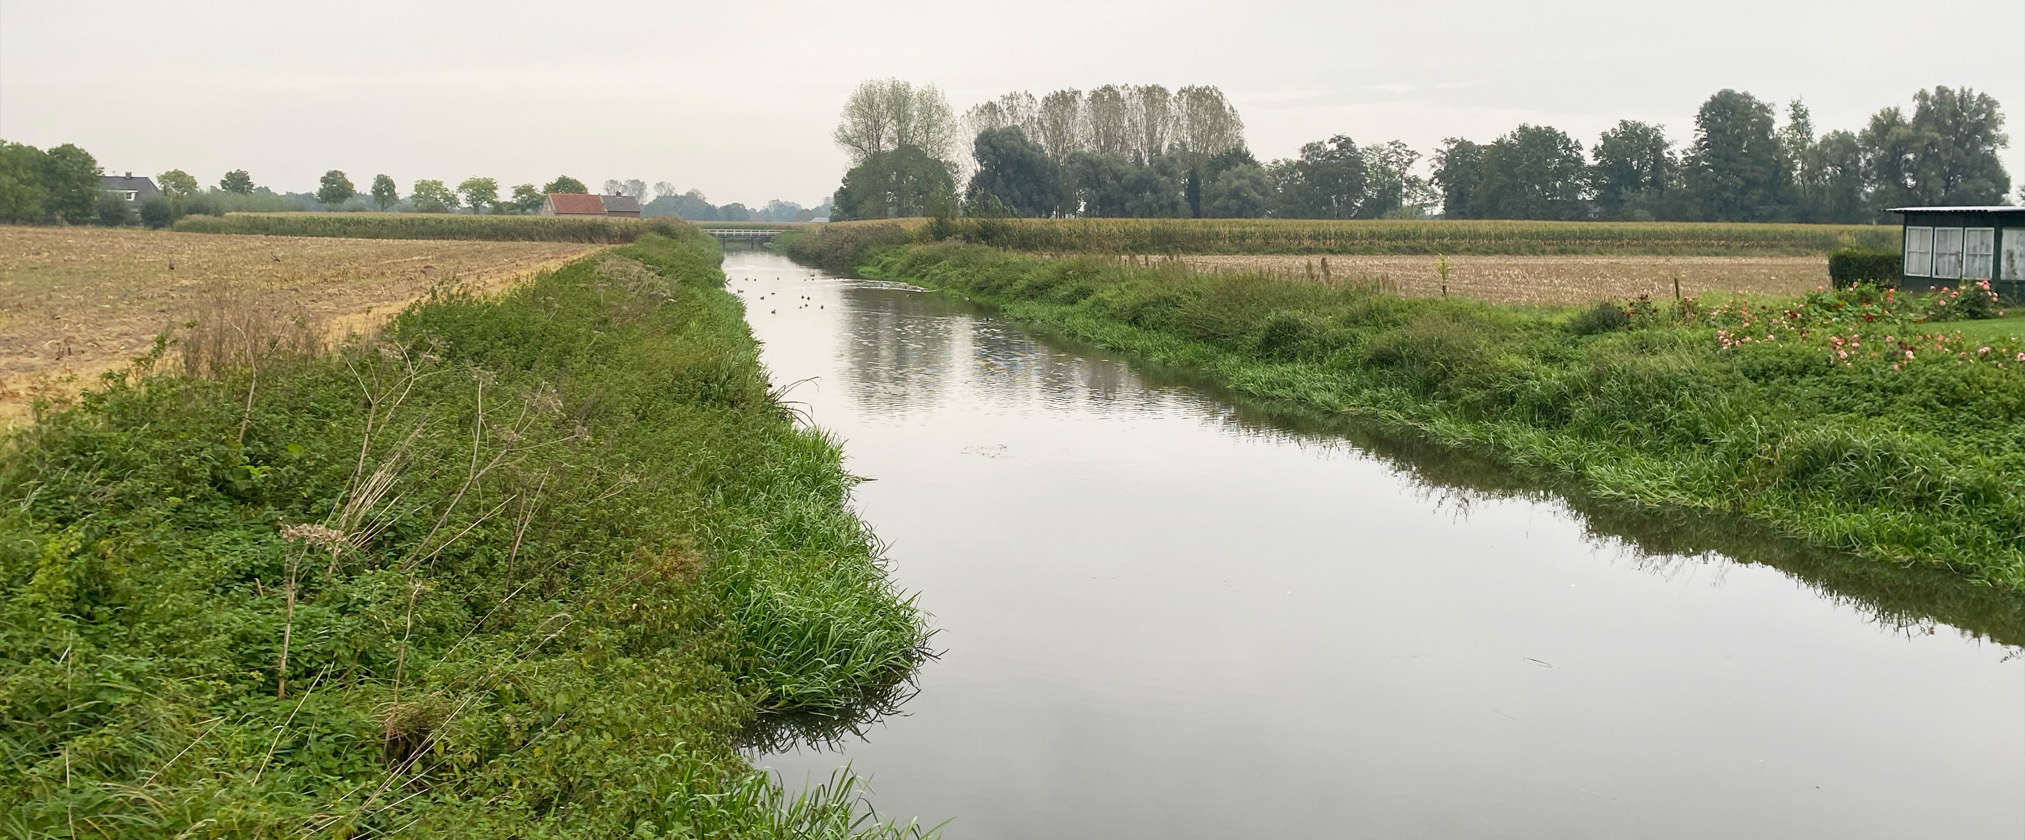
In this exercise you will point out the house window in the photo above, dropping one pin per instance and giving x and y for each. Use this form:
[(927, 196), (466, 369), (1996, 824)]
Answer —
[(1919, 251), (1948, 253), (1977, 245)]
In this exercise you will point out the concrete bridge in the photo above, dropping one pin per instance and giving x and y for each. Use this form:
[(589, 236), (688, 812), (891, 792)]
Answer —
[(750, 235)]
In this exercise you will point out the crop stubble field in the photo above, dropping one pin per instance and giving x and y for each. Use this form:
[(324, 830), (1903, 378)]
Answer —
[(1511, 262), (75, 302), (1529, 280)]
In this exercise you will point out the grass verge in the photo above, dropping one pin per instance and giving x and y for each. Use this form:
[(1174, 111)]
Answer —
[(520, 567), (1379, 236), (1842, 419)]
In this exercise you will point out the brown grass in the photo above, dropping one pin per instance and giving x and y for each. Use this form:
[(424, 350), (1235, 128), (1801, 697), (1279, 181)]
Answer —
[(75, 302), (1545, 280)]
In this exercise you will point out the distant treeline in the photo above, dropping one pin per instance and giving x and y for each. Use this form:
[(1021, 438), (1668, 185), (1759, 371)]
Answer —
[(692, 206), (1139, 151), (62, 184)]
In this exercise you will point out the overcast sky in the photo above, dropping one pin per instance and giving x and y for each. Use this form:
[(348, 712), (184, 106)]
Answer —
[(738, 98)]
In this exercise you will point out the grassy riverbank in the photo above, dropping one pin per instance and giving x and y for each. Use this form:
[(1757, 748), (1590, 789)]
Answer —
[(1384, 236), (518, 567), (593, 230), (1836, 419)]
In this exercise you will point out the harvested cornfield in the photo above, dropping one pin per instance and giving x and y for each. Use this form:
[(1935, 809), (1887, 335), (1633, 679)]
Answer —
[(1542, 280), (78, 301)]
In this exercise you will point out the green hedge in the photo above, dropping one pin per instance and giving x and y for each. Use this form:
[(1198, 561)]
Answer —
[(1850, 266)]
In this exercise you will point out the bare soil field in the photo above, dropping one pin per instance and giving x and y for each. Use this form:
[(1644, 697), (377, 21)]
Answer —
[(1546, 280), (75, 302)]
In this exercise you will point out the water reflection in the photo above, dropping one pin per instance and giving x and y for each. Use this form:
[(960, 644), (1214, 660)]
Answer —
[(911, 351), (1166, 613)]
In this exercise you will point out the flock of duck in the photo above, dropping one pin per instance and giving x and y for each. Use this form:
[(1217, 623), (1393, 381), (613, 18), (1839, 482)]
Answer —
[(806, 300)]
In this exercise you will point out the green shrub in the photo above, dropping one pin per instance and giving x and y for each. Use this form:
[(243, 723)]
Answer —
[(1848, 267), (112, 211), (1605, 316), (157, 212)]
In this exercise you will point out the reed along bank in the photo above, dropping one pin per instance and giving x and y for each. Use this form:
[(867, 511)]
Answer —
[(516, 567), (1852, 420)]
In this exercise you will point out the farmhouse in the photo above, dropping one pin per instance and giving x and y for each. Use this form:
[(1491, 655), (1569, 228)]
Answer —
[(580, 204), (134, 189), (1946, 245)]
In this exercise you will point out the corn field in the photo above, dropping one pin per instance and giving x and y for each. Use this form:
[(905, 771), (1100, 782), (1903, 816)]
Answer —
[(1530, 280), (1482, 237), (590, 230)]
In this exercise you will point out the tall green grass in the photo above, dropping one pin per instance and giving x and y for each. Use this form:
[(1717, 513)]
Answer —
[(1379, 236), (520, 567), (601, 230), (1903, 461)]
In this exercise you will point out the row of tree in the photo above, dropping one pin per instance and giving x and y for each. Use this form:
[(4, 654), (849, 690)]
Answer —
[(1139, 151), (693, 206), (1123, 143), (1741, 165), (63, 184)]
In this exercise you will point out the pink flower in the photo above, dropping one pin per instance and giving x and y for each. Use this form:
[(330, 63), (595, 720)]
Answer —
[(1982, 351), (1894, 366)]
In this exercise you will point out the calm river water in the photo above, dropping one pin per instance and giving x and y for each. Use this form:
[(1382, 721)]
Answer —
[(1163, 615)]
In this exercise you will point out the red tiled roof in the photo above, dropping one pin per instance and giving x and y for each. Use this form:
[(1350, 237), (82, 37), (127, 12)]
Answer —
[(571, 204)]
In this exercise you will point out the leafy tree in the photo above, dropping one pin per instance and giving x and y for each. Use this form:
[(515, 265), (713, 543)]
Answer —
[(903, 182), (432, 197), (70, 183), (22, 194), (691, 205), (1459, 173), (782, 211), (1534, 172), (526, 199), (1096, 183), (1634, 173), (1016, 172), (565, 184), (1205, 125), (385, 194), (1389, 183), (1833, 169), (735, 212), (479, 193), (1242, 191), (1889, 146), (1956, 161), (1327, 181), (157, 212), (177, 183), (887, 115), (334, 189), (1155, 190), (1104, 117), (1737, 170), (1059, 124), (237, 181)]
